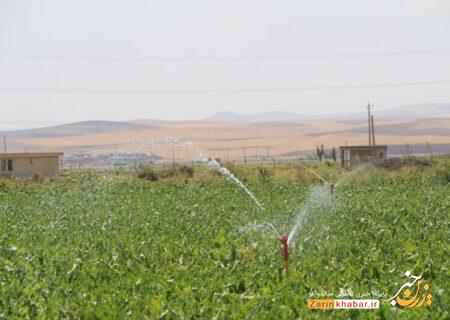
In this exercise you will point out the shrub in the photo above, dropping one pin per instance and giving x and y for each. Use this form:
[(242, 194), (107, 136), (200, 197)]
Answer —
[(167, 173), (443, 171), (304, 176), (37, 178), (2, 184), (263, 174), (188, 171), (147, 173)]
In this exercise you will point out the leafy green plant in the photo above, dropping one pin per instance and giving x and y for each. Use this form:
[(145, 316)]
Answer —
[(263, 174), (105, 245), (408, 155), (3, 184), (37, 178), (442, 170)]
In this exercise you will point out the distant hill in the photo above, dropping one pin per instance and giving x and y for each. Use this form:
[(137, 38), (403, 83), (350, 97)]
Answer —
[(255, 117), (227, 138), (411, 127), (424, 109), (77, 129), (276, 133)]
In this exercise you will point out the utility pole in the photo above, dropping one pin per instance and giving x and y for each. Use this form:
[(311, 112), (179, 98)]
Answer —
[(267, 153), (370, 136), (4, 143), (245, 157), (256, 154), (173, 156), (373, 131)]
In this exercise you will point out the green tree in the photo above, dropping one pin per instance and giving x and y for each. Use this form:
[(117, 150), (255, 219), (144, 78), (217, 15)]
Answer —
[(334, 154), (320, 152)]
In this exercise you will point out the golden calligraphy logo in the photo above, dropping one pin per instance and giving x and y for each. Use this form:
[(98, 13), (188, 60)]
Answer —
[(413, 294)]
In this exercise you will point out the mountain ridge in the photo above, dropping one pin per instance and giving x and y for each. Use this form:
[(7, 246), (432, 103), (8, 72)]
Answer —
[(420, 109), (77, 128)]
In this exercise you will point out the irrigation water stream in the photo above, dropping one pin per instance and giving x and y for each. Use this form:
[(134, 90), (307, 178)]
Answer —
[(318, 198), (232, 177)]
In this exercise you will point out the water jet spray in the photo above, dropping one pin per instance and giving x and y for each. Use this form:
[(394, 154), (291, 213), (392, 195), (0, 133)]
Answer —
[(231, 176), (313, 172)]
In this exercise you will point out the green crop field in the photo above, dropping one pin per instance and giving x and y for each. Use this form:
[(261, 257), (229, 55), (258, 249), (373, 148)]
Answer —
[(107, 245)]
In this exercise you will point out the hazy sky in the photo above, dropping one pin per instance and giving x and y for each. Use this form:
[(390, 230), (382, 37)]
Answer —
[(106, 59)]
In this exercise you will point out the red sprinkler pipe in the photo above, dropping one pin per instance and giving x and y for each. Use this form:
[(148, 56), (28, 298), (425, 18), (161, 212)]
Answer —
[(284, 241), (331, 186)]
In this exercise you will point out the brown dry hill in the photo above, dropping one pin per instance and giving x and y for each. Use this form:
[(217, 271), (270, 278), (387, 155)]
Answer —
[(278, 138)]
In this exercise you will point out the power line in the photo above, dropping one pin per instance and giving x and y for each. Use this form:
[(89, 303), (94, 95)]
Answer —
[(195, 21), (200, 59), (194, 91)]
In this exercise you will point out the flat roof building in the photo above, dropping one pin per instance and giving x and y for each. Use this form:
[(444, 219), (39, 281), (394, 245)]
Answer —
[(351, 155), (27, 165)]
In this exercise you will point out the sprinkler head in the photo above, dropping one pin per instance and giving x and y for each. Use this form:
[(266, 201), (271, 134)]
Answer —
[(331, 186), (284, 239)]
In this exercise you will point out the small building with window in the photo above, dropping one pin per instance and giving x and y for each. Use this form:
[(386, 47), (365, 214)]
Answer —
[(27, 165), (351, 155)]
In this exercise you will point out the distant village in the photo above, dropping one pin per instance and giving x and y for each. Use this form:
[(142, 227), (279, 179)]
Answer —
[(110, 160)]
